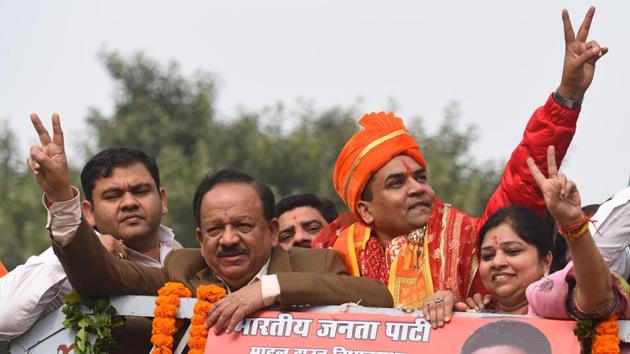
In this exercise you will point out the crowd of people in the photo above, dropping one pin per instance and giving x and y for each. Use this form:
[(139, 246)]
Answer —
[(399, 245)]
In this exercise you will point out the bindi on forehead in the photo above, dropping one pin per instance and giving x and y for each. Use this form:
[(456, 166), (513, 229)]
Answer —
[(496, 240)]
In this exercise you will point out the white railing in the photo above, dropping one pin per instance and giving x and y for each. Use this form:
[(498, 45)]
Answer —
[(48, 335)]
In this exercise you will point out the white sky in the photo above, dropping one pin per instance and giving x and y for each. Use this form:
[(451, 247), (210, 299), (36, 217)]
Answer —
[(498, 59)]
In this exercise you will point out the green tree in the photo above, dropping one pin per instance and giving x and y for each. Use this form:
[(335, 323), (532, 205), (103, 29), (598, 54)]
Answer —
[(172, 117), (22, 216), (291, 160), (454, 174), (167, 115)]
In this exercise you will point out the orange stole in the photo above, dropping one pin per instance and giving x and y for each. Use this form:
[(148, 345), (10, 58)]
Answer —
[(447, 261), (410, 276)]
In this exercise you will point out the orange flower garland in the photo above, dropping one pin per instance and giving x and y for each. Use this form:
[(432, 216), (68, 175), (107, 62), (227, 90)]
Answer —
[(606, 340), (207, 295), (163, 326), (167, 305)]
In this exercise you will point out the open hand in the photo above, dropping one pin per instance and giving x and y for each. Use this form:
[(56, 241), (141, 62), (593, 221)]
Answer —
[(48, 162)]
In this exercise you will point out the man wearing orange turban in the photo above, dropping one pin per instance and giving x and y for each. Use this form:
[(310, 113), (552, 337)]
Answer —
[(425, 251)]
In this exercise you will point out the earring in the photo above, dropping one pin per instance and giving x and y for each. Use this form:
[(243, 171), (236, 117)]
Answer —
[(547, 273)]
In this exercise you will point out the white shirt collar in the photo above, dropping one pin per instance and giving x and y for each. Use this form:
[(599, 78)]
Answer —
[(165, 237), (261, 273)]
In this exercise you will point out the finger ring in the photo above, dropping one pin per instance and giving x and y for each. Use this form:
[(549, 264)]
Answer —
[(438, 300), (120, 255)]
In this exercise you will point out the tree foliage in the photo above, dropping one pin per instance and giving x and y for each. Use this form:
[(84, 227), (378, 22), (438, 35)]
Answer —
[(172, 117), (22, 215), (453, 172)]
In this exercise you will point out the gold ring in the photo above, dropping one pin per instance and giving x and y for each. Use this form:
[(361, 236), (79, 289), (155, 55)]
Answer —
[(438, 300)]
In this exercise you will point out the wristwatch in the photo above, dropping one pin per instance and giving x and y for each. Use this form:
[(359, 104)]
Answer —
[(567, 102)]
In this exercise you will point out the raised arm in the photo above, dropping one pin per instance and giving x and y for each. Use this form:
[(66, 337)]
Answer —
[(95, 272), (88, 265), (579, 58), (593, 283), (48, 161), (552, 124)]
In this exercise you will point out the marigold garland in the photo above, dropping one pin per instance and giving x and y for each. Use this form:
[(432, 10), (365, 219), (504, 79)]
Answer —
[(599, 337), (163, 326), (606, 340), (167, 304), (207, 295)]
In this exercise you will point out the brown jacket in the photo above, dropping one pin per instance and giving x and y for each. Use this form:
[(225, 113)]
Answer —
[(307, 277)]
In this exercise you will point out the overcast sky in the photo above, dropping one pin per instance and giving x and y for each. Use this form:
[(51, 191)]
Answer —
[(498, 59)]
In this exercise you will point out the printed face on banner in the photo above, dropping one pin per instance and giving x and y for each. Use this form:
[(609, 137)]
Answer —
[(500, 349), (508, 264)]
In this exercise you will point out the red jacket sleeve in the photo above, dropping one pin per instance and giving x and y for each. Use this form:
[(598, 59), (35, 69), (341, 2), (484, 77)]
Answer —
[(550, 124)]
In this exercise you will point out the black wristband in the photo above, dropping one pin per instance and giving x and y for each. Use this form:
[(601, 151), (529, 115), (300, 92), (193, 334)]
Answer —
[(566, 102)]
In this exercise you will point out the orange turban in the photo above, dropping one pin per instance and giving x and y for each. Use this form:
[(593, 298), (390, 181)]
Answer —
[(384, 137)]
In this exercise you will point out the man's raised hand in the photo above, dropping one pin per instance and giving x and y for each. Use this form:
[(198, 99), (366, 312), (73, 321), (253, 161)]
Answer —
[(579, 58), (48, 161)]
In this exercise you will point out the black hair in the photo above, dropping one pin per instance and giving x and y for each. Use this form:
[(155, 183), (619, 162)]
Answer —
[(367, 190), (324, 206), (509, 333), (559, 249), (528, 225), (102, 164), (231, 176)]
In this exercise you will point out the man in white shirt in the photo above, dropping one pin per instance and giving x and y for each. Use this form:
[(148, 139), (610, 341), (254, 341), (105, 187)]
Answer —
[(123, 199), (611, 231)]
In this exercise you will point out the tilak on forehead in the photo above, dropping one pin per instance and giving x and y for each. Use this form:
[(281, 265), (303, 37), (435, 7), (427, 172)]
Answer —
[(383, 137), (407, 167), (496, 240)]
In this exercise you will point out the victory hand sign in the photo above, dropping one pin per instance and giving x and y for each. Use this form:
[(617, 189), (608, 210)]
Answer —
[(48, 161), (579, 58), (561, 195)]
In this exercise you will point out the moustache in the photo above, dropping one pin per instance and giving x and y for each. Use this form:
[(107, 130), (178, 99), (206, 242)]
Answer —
[(232, 251), (306, 244)]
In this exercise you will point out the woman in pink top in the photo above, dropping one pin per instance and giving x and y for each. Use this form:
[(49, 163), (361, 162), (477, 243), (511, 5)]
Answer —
[(516, 257)]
